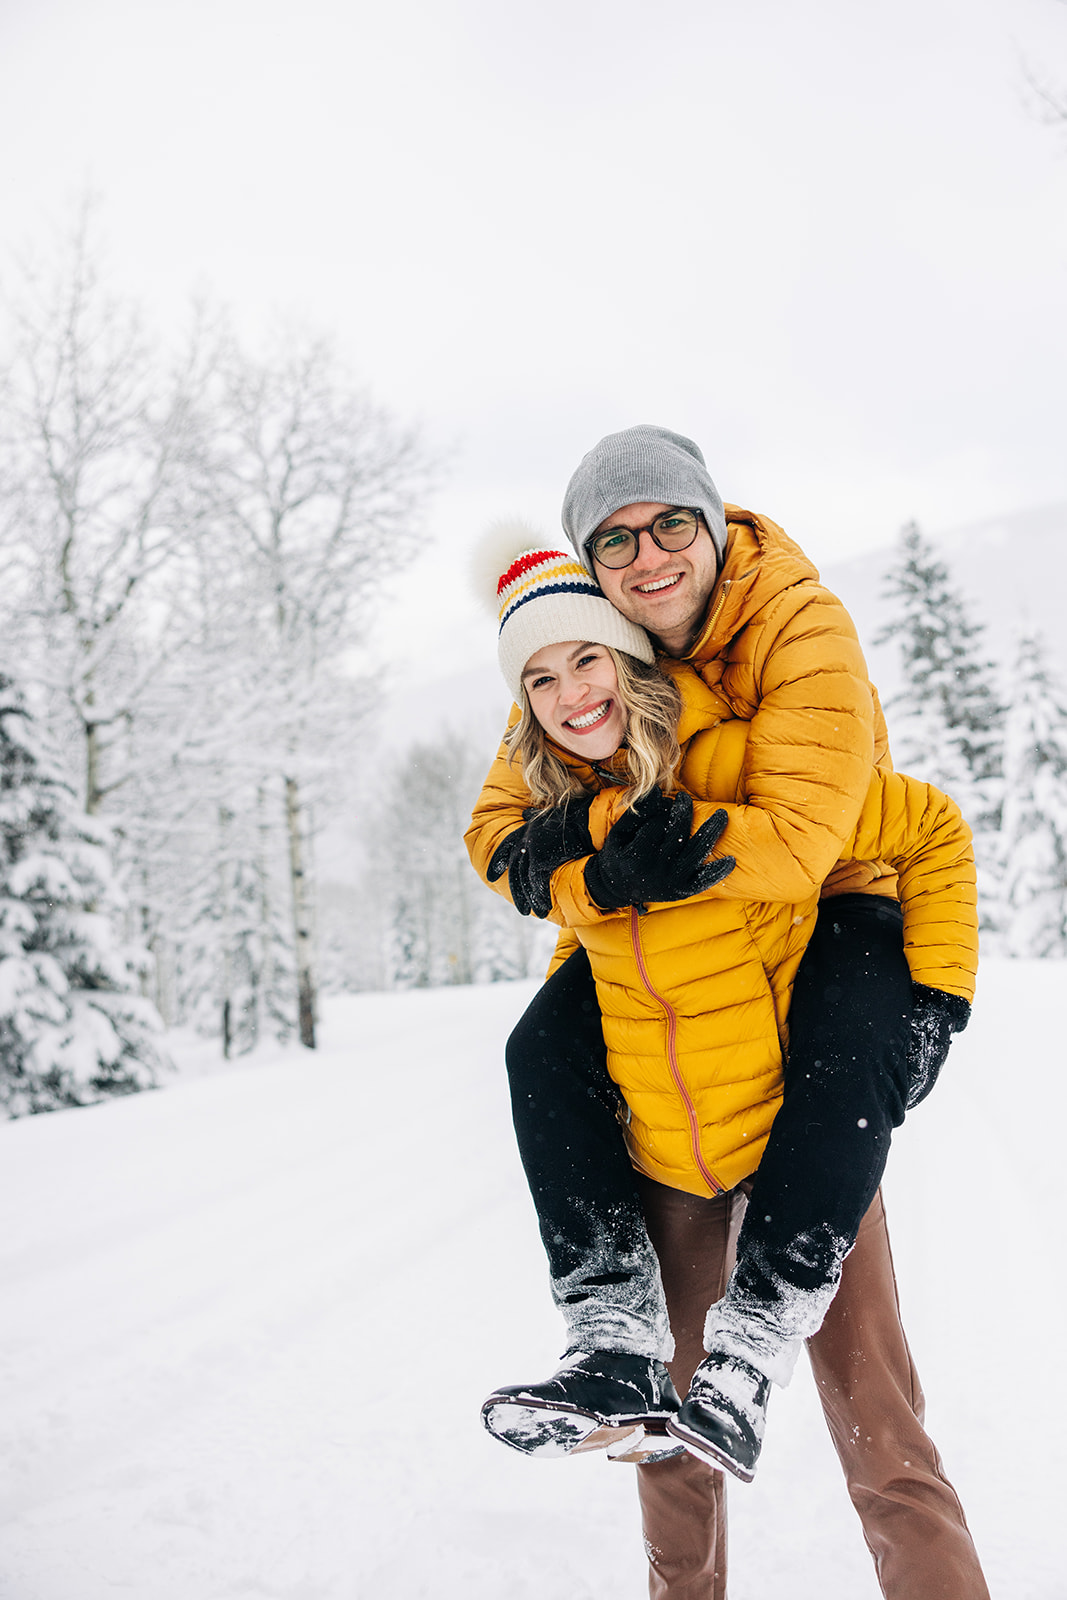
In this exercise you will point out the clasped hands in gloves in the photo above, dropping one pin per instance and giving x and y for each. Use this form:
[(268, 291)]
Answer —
[(648, 855)]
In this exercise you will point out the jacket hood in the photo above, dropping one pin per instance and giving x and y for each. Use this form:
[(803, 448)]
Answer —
[(760, 562)]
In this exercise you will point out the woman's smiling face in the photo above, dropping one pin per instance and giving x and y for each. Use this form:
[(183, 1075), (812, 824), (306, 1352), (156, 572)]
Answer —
[(574, 694)]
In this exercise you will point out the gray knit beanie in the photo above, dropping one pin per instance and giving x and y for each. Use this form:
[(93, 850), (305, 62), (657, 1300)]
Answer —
[(640, 464)]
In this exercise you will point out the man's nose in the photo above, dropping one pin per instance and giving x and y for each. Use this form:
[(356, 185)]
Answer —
[(649, 553)]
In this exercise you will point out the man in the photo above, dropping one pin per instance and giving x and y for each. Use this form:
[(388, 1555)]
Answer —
[(743, 605)]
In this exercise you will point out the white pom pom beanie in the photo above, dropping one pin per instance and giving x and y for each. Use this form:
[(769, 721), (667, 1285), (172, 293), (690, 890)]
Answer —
[(546, 597)]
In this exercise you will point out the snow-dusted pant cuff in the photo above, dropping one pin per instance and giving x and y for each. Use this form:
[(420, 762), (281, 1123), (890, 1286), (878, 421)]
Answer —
[(775, 1358), (627, 1316), (622, 1340), (767, 1342)]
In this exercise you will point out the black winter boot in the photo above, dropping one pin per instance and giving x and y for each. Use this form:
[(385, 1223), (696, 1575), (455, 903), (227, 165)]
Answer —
[(722, 1418), (592, 1401)]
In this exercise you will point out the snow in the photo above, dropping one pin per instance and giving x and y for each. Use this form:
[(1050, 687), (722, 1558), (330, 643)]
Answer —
[(249, 1321)]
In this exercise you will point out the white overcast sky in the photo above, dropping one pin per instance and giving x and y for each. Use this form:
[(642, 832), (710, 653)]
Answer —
[(828, 240)]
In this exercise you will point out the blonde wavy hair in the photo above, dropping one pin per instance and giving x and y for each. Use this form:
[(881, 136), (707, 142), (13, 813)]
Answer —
[(652, 705)]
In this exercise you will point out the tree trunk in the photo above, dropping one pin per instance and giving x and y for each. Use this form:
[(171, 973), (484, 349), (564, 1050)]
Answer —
[(305, 980), (264, 977), (226, 931), (93, 792)]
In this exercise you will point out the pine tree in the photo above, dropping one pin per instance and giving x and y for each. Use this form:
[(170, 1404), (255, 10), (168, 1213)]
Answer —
[(1032, 911), (949, 716), (947, 724), (73, 1029)]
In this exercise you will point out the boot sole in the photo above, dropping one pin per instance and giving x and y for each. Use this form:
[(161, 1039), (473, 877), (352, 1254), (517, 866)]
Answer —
[(549, 1432), (647, 1446), (705, 1451)]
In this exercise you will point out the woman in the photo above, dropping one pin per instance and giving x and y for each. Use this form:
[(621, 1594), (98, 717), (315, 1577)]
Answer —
[(694, 997)]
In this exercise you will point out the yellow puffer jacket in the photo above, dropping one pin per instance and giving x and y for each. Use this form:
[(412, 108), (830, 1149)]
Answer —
[(780, 651), (695, 995)]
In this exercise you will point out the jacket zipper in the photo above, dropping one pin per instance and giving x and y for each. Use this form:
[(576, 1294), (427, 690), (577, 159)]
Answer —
[(709, 624), (672, 1057)]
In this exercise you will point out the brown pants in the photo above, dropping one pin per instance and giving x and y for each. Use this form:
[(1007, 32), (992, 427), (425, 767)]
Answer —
[(912, 1519)]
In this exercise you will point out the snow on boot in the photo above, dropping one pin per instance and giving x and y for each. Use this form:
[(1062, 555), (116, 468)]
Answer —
[(722, 1418), (591, 1402)]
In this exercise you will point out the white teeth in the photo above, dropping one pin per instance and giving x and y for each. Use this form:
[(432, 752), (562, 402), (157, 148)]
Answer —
[(661, 583), (587, 718)]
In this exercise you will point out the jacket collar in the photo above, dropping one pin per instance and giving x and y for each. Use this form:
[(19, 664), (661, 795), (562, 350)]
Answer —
[(760, 561)]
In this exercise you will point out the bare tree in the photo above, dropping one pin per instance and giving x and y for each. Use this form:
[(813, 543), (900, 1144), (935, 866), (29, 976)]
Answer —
[(191, 548), (1049, 98), (97, 495), (442, 925), (318, 495)]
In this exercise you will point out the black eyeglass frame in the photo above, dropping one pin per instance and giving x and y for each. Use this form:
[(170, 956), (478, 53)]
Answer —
[(636, 533)]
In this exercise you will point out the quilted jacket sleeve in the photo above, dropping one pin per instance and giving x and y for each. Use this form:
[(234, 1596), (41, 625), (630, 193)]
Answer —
[(800, 676), (497, 813), (921, 832)]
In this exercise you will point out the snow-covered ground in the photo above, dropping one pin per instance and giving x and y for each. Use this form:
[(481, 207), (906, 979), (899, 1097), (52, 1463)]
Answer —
[(247, 1323)]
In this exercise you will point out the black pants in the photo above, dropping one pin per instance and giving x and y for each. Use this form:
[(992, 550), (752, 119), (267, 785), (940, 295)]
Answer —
[(845, 1091)]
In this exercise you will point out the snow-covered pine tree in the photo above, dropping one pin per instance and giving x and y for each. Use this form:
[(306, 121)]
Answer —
[(949, 682), (947, 724), (234, 968), (508, 946), (73, 1028), (1032, 909)]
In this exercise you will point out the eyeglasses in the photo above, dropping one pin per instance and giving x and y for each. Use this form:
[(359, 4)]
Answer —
[(617, 547)]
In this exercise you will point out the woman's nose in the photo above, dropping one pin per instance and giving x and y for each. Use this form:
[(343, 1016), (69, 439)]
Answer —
[(573, 691)]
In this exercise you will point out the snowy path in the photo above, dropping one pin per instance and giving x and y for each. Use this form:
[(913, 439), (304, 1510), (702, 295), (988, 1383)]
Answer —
[(230, 1308)]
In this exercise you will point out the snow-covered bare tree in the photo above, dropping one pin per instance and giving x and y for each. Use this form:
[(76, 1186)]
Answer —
[(442, 925), (96, 429), (1032, 909), (73, 1027), (431, 887), (319, 494), (1048, 95), (191, 549)]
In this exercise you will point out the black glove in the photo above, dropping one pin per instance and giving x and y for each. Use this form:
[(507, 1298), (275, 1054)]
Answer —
[(935, 1017), (531, 854), (648, 855)]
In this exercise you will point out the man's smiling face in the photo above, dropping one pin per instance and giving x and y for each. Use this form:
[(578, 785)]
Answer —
[(663, 591)]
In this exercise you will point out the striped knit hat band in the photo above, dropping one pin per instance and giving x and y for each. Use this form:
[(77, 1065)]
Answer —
[(547, 597)]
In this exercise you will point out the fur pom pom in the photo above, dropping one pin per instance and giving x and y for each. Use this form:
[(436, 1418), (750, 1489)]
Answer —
[(502, 542)]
